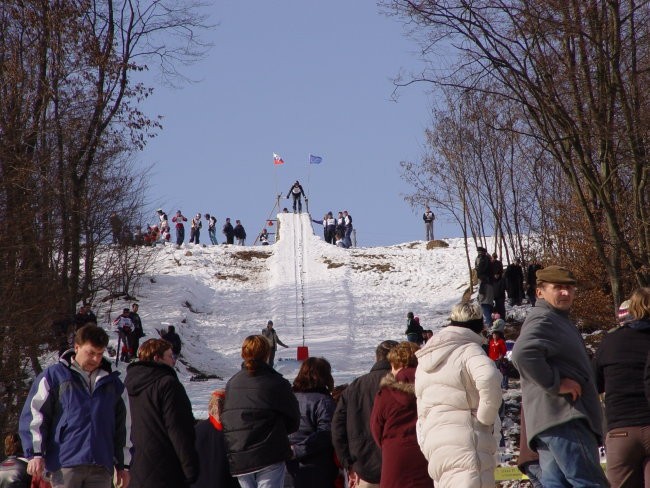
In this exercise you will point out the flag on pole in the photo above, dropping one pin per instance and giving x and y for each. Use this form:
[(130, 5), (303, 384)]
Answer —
[(277, 159), (315, 159)]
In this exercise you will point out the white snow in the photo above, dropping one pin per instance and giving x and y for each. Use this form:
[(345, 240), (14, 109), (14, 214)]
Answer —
[(353, 299), (342, 302)]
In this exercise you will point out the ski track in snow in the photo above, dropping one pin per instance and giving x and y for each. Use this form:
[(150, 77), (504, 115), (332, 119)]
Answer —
[(354, 299)]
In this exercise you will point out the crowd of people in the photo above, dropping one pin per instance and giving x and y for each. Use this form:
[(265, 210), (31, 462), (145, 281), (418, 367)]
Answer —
[(337, 231), (495, 283), (427, 413)]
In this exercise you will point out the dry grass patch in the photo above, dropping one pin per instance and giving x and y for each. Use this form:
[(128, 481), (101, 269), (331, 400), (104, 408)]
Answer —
[(331, 264), (250, 255), (236, 277)]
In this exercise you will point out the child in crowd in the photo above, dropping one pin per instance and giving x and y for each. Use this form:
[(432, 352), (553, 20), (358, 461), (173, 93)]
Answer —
[(497, 349)]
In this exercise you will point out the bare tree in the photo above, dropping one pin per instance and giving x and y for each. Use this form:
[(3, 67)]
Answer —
[(577, 70)]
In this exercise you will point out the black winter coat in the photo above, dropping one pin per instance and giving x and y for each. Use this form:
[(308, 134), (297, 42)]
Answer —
[(210, 445), (259, 413), (351, 434), (619, 364), (162, 428), (313, 466), (239, 232), (228, 230)]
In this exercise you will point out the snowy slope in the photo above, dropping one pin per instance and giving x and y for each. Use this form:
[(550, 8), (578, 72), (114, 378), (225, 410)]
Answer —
[(349, 300)]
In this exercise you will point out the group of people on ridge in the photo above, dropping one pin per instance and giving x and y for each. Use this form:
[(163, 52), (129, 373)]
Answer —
[(337, 231)]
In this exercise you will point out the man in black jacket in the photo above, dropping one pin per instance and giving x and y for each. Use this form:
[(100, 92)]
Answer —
[(229, 232), (162, 422), (351, 434)]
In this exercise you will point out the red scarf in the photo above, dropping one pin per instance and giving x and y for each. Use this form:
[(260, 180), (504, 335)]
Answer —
[(215, 423)]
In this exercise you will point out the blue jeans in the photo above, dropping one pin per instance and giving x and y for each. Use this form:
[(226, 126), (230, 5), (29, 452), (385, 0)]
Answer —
[(213, 236), (269, 477), (568, 456), (487, 314)]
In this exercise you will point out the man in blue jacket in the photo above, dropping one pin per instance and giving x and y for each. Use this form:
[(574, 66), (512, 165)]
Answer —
[(75, 421)]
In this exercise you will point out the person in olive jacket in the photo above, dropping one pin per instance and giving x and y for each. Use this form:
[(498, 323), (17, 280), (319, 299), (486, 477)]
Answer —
[(259, 413), (162, 428)]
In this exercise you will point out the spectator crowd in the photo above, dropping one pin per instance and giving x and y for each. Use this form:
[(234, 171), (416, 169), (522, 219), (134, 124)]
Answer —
[(426, 414)]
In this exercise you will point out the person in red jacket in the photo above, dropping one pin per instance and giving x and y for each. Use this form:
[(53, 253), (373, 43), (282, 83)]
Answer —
[(497, 350), (392, 423)]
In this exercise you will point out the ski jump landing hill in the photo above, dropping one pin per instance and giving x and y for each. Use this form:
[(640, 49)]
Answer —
[(342, 301)]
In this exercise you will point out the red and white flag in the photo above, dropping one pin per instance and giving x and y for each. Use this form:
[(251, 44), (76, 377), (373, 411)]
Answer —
[(277, 159)]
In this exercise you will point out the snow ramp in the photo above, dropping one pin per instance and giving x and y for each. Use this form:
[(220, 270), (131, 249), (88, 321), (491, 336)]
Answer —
[(309, 299)]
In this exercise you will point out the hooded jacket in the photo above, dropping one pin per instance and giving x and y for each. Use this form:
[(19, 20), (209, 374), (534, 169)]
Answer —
[(393, 420), (458, 392), (549, 348), (259, 413), (163, 428), (70, 425), (351, 434)]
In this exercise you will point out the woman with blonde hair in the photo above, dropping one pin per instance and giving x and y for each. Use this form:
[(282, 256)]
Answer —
[(393, 420), (259, 413), (619, 362), (458, 392)]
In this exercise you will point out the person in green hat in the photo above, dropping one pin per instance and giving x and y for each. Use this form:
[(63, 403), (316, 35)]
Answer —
[(559, 395)]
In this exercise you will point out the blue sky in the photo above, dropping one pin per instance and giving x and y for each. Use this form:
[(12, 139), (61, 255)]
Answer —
[(294, 78)]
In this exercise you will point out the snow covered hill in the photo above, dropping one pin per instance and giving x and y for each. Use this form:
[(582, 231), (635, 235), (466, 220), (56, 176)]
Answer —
[(343, 301)]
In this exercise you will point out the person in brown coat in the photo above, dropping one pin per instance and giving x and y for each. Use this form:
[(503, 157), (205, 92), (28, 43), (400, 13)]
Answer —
[(392, 423)]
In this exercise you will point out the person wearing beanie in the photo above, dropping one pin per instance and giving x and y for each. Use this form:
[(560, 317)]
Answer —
[(559, 395), (623, 313), (458, 394), (620, 364)]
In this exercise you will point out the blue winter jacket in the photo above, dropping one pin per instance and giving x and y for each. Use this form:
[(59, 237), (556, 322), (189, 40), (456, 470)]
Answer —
[(69, 426)]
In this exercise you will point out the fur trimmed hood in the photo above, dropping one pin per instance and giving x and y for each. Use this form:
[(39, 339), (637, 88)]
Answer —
[(404, 382)]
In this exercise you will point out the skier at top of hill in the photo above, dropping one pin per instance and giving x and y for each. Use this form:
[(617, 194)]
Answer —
[(296, 190)]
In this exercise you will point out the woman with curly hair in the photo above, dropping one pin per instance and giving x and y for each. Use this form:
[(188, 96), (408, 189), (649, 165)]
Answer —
[(392, 422), (313, 464), (259, 413)]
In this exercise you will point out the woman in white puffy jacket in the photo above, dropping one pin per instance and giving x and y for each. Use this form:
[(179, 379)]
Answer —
[(458, 392)]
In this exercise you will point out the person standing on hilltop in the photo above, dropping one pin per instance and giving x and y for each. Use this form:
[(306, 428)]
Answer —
[(195, 231), (240, 233), (296, 191), (229, 232), (178, 219), (428, 216), (212, 228)]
